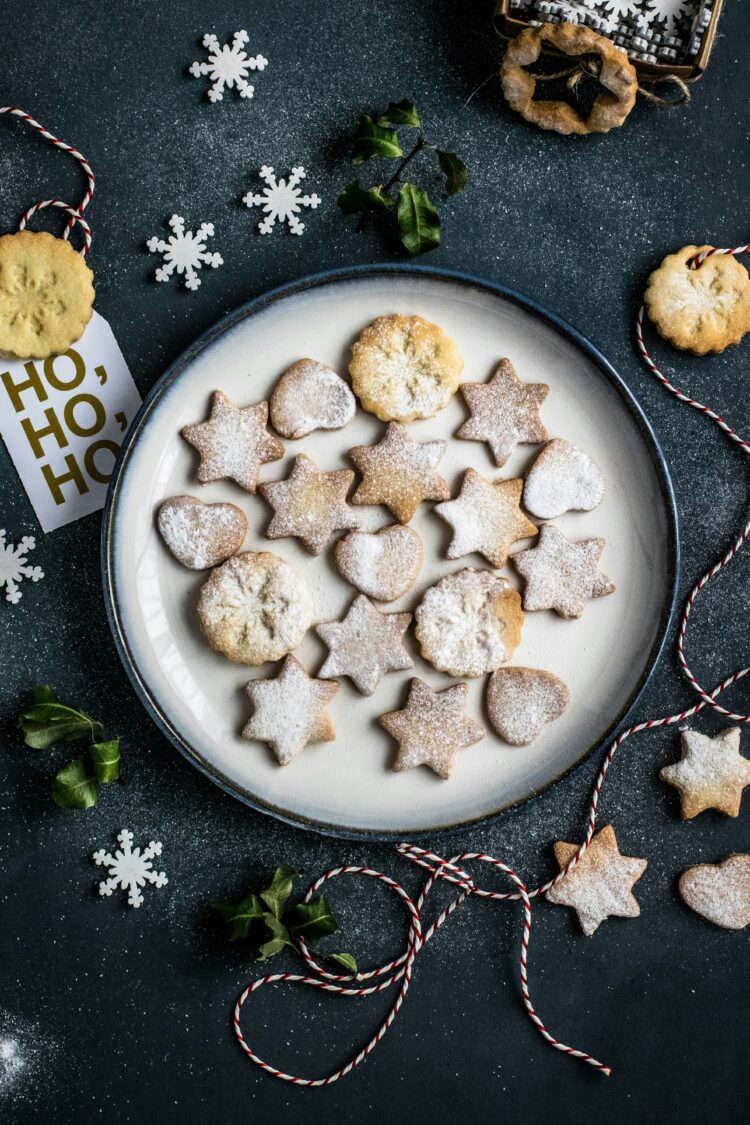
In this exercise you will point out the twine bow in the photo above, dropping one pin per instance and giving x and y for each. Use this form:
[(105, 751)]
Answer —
[(591, 68)]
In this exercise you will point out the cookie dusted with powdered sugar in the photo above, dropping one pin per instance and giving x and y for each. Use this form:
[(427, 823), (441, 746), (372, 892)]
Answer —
[(201, 535), (290, 711), (310, 504), (486, 517), (521, 701), (719, 892), (562, 479), (383, 564), (560, 574), (310, 396), (600, 884), (711, 773), (399, 472), (432, 728), (234, 443), (365, 645), (503, 411)]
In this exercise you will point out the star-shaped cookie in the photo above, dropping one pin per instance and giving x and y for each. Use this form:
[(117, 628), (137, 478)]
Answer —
[(560, 574), (486, 517), (234, 442), (290, 711), (399, 472), (711, 773), (600, 884), (366, 644), (432, 728), (504, 411), (310, 504)]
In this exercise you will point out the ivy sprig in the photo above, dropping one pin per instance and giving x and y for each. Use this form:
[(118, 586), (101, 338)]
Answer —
[(416, 216), (46, 721), (269, 924)]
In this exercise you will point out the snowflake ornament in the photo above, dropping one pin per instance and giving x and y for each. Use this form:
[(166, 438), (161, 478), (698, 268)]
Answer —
[(130, 868), (667, 12), (618, 9), (281, 200), (228, 66), (184, 252), (14, 567)]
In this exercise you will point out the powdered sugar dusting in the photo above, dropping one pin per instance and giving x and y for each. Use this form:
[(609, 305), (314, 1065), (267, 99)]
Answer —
[(721, 892), (382, 564), (562, 479), (521, 701), (310, 396), (201, 535)]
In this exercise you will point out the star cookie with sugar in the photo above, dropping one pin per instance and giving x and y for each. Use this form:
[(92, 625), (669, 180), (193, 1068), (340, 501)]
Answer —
[(504, 411), (711, 773), (290, 711), (310, 504), (399, 472), (365, 645), (600, 884), (234, 442), (432, 728), (486, 517), (560, 574)]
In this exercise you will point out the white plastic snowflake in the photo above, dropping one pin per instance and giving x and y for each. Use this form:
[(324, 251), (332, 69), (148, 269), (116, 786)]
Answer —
[(228, 66), (184, 252), (130, 868), (14, 567), (667, 11), (618, 9), (282, 201)]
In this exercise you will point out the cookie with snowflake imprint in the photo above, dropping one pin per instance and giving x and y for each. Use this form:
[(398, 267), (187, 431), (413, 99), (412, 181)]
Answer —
[(234, 442), (486, 517), (399, 472), (521, 701), (254, 608), (561, 574), (503, 411), (403, 367), (700, 310), (310, 504), (711, 773), (562, 479), (201, 535), (365, 645), (310, 396), (431, 728), (290, 711), (46, 295)]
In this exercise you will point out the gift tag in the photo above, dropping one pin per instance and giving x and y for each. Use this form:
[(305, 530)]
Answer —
[(63, 420)]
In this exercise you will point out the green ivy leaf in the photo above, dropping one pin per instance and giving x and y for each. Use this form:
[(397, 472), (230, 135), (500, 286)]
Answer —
[(277, 895), (312, 920), (105, 758), (418, 220), (374, 141), (455, 171), (346, 960), (243, 919), (76, 786), (278, 940), (355, 198), (46, 720), (401, 113)]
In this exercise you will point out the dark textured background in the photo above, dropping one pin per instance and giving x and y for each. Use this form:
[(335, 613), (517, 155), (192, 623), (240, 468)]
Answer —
[(123, 1016)]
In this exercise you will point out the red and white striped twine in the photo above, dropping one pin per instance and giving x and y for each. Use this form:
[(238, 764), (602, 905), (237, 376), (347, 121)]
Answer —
[(452, 870), (75, 214)]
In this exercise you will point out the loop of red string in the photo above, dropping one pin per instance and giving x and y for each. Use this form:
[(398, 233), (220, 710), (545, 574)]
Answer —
[(452, 870), (75, 214)]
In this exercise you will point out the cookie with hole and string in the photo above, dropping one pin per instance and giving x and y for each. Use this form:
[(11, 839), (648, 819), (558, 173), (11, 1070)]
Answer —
[(700, 308)]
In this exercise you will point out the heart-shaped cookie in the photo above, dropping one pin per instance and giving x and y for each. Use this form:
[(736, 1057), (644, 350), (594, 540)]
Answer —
[(521, 701), (382, 564), (310, 396), (719, 892), (201, 535), (562, 479)]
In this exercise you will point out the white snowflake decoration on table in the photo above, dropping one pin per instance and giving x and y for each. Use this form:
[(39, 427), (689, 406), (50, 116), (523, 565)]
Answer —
[(130, 868), (281, 200), (184, 252), (668, 11), (228, 66), (14, 566)]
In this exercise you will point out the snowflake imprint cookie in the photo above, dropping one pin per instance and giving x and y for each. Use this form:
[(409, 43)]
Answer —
[(46, 295), (699, 310), (562, 479), (290, 711), (184, 252), (432, 728), (399, 472), (228, 66), (130, 868), (310, 396), (503, 411), (254, 608), (234, 443), (201, 535), (14, 566), (486, 517), (521, 701), (365, 645), (711, 773), (469, 623), (560, 574), (600, 885), (403, 368), (310, 504), (383, 564), (281, 200), (719, 892)]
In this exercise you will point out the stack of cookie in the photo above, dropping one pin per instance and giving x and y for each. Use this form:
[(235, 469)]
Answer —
[(255, 607)]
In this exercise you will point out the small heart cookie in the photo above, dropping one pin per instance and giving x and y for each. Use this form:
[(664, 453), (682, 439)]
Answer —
[(383, 564), (201, 535), (521, 701), (310, 396), (562, 479), (719, 892)]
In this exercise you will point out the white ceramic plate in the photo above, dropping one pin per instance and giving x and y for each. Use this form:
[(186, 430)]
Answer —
[(346, 786)]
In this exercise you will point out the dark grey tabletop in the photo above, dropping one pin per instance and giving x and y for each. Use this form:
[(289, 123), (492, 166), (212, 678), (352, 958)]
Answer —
[(123, 1016)]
